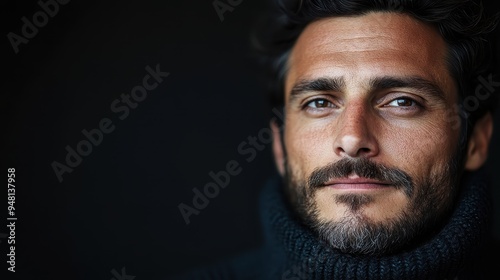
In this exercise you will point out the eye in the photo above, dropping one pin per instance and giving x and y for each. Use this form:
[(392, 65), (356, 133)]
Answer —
[(319, 103), (403, 102)]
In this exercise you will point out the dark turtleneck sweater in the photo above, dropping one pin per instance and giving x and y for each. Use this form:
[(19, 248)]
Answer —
[(292, 252)]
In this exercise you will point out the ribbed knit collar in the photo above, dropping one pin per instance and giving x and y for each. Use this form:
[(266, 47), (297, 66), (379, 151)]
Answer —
[(297, 254)]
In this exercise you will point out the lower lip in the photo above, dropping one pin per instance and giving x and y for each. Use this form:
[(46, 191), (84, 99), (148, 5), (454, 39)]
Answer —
[(360, 186)]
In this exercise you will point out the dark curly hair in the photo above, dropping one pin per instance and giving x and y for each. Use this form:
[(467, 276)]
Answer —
[(463, 24)]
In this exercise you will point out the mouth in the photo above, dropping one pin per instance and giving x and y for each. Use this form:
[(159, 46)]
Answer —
[(354, 182)]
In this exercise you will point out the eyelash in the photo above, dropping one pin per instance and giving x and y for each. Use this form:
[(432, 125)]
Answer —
[(330, 104), (415, 105), (413, 101)]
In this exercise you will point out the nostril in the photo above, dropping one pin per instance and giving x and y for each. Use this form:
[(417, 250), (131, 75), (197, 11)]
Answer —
[(356, 146), (364, 151)]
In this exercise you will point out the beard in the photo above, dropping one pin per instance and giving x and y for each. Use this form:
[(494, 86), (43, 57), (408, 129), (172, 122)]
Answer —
[(430, 201)]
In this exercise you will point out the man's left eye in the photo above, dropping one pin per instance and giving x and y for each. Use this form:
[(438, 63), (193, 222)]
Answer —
[(403, 102)]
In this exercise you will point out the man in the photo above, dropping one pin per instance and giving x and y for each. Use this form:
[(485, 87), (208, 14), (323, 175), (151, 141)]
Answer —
[(382, 147)]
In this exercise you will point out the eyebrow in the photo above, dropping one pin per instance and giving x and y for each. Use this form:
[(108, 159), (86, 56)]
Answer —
[(337, 84), (413, 82), (318, 85)]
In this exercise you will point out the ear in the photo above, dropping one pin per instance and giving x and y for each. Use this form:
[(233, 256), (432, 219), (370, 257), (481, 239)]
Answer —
[(278, 149), (477, 151)]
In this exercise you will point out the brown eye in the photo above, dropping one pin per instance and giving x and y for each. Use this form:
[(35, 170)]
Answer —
[(402, 102), (320, 103)]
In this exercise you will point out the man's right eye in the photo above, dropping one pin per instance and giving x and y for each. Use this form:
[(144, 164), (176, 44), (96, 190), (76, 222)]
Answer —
[(319, 103)]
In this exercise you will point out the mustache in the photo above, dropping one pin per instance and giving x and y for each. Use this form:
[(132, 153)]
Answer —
[(363, 168)]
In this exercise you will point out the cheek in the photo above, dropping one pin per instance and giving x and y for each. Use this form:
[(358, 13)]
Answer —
[(308, 148), (421, 151)]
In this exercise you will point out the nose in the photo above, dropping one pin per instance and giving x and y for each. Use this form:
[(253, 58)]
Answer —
[(356, 134)]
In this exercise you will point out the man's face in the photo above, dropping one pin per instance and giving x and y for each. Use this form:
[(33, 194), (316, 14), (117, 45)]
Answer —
[(370, 149)]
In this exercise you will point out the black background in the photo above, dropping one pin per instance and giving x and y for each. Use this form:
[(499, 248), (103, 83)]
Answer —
[(119, 207)]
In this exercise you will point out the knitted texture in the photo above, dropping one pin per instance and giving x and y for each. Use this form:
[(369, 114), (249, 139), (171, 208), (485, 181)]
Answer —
[(449, 255), (292, 252)]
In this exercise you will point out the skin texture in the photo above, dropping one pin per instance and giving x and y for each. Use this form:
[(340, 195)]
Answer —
[(401, 127)]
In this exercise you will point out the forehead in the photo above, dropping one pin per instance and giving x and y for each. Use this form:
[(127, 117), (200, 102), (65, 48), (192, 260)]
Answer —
[(367, 46)]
